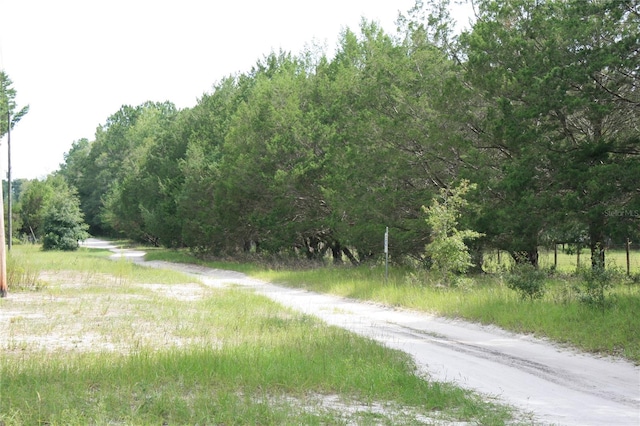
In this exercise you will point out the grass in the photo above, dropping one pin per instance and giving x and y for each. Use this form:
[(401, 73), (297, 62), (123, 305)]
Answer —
[(28, 262), (107, 343), (184, 256), (558, 316), (567, 262)]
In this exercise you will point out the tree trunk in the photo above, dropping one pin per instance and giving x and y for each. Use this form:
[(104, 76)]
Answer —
[(527, 256), (336, 250), (596, 244), (533, 258), (477, 259), (597, 255), (350, 256)]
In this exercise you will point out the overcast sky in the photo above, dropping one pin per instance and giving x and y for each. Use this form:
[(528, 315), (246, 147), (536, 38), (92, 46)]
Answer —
[(76, 62)]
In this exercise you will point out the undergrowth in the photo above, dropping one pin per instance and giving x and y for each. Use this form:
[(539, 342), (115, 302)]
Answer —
[(564, 307)]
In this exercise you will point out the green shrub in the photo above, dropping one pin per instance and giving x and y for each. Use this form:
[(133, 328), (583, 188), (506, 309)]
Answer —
[(60, 241), (447, 250), (527, 280), (64, 226), (595, 284)]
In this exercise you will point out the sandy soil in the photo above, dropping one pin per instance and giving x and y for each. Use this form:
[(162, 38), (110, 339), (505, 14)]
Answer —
[(556, 385)]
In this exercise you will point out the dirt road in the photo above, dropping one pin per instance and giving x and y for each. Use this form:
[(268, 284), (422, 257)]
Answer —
[(556, 385)]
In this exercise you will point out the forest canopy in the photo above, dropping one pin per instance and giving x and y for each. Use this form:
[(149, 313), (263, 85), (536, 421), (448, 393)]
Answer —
[(537, 105)]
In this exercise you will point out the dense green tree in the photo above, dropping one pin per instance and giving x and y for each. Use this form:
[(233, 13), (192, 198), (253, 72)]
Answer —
[(395, 142), (272, 161), (512, 143), (537, 104), (75, 165), (206, 126), (557, 79), (357, 188), (116, 150), (597, 156), (34, 204), (159, 185), (49, 211), (8, 104), (63, 225), (130, 204)]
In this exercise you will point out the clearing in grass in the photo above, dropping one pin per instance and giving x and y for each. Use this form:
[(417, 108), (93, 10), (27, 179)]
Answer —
[(105, 342)]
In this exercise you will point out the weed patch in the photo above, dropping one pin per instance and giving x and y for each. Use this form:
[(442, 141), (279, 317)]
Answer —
[(551, 305), (528, 281), (121, 345)]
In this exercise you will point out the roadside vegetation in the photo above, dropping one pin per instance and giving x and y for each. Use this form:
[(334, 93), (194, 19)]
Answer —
[(95, 341), (566, 312), (518, 133), (532, 109)]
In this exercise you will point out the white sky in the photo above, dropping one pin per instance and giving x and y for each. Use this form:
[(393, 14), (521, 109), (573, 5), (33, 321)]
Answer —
[(76, 62)]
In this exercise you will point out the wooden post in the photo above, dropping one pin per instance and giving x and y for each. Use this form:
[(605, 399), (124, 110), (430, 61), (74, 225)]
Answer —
[(3, 254), (555, 256), (386, 256), (9, 206)]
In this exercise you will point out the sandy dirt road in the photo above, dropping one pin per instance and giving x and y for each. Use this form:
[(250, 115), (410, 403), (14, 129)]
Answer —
[(556, 385)]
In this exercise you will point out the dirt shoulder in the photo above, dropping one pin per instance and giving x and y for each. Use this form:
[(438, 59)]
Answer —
[(557, 385)]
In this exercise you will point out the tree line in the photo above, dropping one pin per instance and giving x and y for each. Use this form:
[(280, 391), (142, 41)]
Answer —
[(537, 105)]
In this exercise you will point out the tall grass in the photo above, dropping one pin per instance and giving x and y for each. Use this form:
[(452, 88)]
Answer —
[(567, 262), (225, 357), (246, 384), (26, 263), (559, 315), (21, 273)]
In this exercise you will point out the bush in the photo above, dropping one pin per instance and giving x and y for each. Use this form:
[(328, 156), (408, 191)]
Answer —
[(595, 283), (527, 280), (448, 251), (64, 226), (54, 241)]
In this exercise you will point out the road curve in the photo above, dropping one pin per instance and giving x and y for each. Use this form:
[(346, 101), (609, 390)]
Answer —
[(556, 385)]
